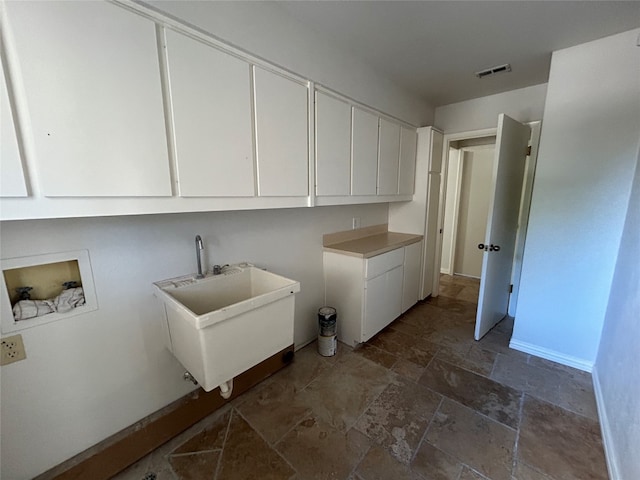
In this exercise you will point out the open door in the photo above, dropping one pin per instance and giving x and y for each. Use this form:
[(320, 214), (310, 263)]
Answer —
[(502, 224)]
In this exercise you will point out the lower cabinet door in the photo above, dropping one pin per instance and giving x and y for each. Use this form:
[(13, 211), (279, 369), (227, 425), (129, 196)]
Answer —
[(412, 267), (382, 301)]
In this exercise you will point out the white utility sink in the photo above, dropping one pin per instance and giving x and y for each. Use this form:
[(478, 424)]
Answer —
[(222, 325)]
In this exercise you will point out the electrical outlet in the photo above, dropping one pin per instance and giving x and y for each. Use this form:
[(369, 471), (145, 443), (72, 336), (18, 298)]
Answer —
[(12, 350), (355, 223)]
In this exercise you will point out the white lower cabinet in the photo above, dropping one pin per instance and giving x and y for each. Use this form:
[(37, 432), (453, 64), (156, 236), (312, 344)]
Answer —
[(370, 293), (411, 278)]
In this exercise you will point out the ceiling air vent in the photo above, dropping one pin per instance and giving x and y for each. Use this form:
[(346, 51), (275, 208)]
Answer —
[(494, 70)]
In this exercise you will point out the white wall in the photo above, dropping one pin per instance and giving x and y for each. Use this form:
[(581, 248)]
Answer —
[(267, 30), (89, 376), (616, 371), (524, 105), (587, 156)]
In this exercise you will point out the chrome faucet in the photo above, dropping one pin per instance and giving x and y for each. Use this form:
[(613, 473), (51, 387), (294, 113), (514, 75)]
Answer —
[(199, 249)]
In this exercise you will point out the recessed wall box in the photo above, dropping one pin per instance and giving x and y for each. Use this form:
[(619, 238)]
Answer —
[(53, 286)]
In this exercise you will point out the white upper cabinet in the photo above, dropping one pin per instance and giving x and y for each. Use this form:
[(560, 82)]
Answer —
[(282, 132), (333, 146), (388, 157), (364, 152), (211, 103), (12, 183), (407, 169), (93, 93)]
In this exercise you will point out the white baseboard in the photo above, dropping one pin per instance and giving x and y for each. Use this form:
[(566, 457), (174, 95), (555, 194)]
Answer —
[(552, 355), (605, 429)]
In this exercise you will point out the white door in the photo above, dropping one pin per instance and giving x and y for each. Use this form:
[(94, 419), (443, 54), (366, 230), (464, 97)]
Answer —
[(502, 224)]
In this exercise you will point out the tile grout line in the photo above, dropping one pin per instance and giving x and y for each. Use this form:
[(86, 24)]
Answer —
[(424, 439), (224, 443), (534, 394), (393, 380), (493, 367), (353, 471), (485, 416), (273, 446), (440, 347), (281, 455), (516, 444), (487, 378), (186, 454), (424, 435), (304, 417), (395, 376)]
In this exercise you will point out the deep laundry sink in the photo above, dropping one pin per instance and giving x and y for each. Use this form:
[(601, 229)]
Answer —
[(222, 325)]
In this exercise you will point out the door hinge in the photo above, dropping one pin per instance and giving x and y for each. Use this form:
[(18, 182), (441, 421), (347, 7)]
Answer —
[(511, 288), (529, 150)]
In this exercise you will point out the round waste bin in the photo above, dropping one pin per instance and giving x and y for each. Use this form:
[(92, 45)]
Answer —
[(327, 331)]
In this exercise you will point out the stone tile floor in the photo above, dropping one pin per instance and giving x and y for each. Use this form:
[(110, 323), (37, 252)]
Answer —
[(422, 400)]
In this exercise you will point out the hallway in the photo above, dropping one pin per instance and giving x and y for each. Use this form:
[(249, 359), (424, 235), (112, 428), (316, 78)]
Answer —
[(421, 400)]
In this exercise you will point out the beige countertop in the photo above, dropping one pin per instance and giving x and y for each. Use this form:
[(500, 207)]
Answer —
[(374, 243)]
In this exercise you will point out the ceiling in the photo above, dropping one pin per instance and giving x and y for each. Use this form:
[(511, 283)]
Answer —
[(433, 48)]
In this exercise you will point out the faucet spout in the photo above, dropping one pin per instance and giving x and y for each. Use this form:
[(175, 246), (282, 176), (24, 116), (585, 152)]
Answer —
[(199, 249)]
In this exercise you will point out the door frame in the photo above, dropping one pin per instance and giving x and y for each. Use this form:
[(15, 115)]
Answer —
[(446, 146), (525, 203), (455, 207), (523, 217)]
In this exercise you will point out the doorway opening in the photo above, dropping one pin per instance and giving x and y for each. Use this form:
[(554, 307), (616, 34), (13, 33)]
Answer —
[(465, 211), (466, 205), (479, 186)]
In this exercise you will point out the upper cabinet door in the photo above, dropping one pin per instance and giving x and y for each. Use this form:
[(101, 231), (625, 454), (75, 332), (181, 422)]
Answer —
[(12, 182), (333, 146), (388, 157), (92, 82), (407, 170), (364, 153), (211, 101), (282, 132)]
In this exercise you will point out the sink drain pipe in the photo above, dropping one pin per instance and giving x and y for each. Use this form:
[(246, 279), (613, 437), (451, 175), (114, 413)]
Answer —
[(226, 388)]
